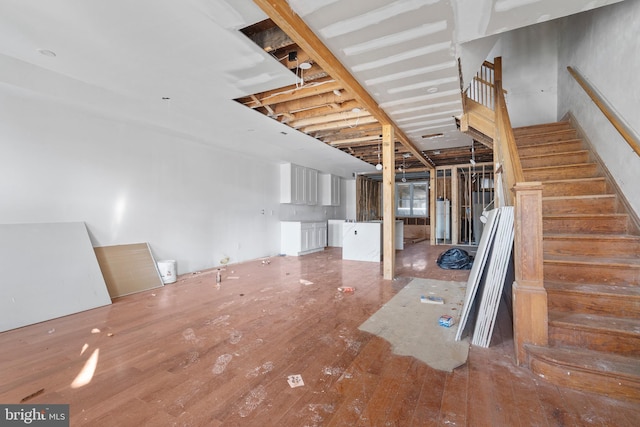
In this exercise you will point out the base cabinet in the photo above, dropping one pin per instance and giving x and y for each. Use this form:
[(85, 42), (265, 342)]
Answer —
[(301, 237)]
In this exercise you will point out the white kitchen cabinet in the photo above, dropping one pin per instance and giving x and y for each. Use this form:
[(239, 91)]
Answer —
[(298, 185), (329, 190), (311, 186), (302, 237)]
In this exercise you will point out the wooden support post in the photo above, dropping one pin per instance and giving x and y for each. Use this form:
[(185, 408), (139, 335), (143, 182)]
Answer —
[(432, 206), (455, 206), (388, 202), (530, 319)]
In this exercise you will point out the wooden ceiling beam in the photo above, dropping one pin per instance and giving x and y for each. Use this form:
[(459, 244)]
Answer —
[(281, 13), (326, 109), (307, 103), (301, 92), (328, 118), (281, 90), (339, 124)]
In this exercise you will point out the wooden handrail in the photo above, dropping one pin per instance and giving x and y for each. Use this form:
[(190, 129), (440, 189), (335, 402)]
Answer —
[(617, 122), (505, 150)]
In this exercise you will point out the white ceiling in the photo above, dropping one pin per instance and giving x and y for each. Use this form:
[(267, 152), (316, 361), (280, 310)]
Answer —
[(120, 58)]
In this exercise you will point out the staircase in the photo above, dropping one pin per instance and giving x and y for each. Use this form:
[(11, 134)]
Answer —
[(591, 267)]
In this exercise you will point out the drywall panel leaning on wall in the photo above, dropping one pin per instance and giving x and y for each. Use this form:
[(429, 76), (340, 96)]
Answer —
[(48, 271)]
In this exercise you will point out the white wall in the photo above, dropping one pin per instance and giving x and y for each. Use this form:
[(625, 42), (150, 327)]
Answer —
[(131, 183), (603, 46), (529, 70)]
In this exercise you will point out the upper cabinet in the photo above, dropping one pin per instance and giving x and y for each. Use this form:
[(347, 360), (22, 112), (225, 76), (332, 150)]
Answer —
[(298, 185), (329, 190)]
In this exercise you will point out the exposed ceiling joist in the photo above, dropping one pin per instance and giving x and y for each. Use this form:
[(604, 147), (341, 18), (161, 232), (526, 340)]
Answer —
[(281, 13)]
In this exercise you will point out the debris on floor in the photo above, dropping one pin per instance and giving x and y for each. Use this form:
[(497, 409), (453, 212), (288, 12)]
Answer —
[(431, 299), (32, 395), (295, 381), (305, 282), (445, 320), (347, 289)]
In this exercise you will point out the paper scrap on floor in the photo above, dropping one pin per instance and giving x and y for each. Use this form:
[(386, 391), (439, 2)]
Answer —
[(295, 381)]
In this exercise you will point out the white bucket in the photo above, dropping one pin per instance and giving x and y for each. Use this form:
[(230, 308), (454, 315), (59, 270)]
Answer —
[(167, 269)]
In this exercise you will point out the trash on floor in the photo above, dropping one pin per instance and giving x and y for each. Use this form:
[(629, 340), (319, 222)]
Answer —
[(347, 289), (455, 259), (295, 381), (32, 395), (431, 299), (445, 320), (305, 282)]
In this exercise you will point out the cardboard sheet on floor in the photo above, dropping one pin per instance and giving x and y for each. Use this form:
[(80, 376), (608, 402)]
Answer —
[(128, 269), (48, 271), (412, 328)]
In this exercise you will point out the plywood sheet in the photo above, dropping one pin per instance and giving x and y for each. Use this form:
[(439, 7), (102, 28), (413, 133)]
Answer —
[(128, 269), (48, 271)]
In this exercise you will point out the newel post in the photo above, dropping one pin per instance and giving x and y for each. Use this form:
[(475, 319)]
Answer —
[(530, 323)]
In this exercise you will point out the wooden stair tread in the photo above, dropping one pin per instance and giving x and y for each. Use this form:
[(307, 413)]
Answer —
[(610, 325), (559, 124), (586, 260), (589, 360), (594, 288), (584, 216), (543, 132), (556, 154), (568, 180), (588, 237), (579, 197), (562, 167)]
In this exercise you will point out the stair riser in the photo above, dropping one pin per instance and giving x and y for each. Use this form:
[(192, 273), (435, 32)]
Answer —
[(607, 305), (595, 273), (578, 188), (583, 206), (595, 248), (594, 340), (558, 147), (595, 382), (557, 160), (587, 225), (562, 172), (564, 135)]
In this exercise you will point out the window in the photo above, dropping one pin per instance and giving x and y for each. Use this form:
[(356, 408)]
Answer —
[(412, 199)]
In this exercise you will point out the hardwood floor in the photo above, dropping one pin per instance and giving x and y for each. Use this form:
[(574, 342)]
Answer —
[(195, 354)]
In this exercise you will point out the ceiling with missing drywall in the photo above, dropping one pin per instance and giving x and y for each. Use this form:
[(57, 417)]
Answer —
[(404, 55), (177, 67)]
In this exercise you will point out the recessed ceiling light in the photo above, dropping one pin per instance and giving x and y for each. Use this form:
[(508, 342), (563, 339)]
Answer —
[(337, 92), (432, 89), (47, 52), (304, 66), (355, 110)]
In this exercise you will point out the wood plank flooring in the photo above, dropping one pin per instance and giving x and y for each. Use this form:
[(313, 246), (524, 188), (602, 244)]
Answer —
[(194, 354)]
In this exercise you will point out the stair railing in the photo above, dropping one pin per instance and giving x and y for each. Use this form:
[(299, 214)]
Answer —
[(609, 113), (530, 317)]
